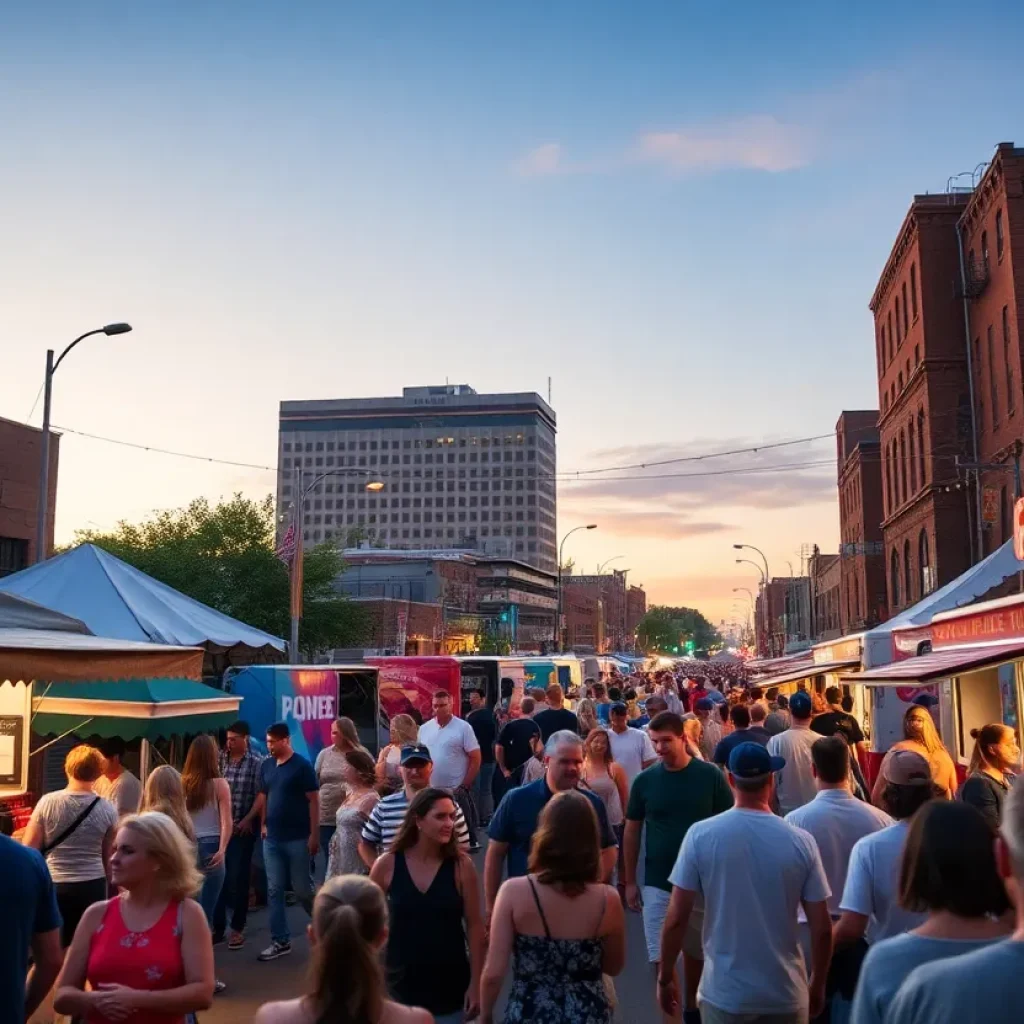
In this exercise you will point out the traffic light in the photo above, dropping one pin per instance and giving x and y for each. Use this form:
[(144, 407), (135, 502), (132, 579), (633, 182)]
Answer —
[(689, 647), (504, 616)]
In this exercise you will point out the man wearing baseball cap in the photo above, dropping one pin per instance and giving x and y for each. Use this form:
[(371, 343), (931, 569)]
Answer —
[(795, 785), (870, 906), (754, 872), (416, 767)]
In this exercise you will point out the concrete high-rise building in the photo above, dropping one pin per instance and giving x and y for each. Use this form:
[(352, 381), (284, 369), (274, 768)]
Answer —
[(459, 470)]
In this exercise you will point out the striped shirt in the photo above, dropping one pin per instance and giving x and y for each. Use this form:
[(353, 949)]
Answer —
[(386, 819)]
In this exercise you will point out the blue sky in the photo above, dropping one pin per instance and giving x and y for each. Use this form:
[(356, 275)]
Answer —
[(676, 211)]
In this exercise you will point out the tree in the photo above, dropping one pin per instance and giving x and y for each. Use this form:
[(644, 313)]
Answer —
[(223, 555), (667, 630), (490, 641)]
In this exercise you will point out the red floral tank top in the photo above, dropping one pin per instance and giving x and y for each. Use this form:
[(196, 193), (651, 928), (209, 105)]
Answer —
[(149, 960)]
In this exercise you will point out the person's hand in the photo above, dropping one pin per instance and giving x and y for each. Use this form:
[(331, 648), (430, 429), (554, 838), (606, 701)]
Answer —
[(244, 827), (216, 860), (115, 1002), (313, 845), (668, 997), (817, 1000), (633, 900), (471, 1004), (506, 773), (263, 831)]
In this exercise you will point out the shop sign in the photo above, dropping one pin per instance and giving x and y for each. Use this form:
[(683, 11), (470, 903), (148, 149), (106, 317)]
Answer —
[(1000, 624)]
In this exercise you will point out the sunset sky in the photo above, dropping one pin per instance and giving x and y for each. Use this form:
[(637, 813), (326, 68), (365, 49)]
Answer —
[(677, 212)]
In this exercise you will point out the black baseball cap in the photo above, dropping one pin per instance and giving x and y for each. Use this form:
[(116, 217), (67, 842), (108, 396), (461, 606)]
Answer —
[(415, 752), (618, 708), (751, 761)]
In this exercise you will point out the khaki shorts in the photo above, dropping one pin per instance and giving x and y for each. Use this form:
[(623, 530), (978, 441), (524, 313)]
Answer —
[(655, 908)]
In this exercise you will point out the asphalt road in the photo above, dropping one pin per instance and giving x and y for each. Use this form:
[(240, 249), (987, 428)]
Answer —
[(250, 983)]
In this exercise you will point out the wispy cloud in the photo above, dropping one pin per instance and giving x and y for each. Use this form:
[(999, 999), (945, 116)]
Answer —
[(640, 521), (542, 162), (760, 142)]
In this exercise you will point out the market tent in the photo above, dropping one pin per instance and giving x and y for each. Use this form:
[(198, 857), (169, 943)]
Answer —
[(117, 600), (148, 709), (20, 613)]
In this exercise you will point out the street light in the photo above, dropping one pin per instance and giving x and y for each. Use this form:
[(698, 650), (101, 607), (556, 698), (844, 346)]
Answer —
[(747, 561), (607, 561), (558, 596), (44, 468), (750, 547)]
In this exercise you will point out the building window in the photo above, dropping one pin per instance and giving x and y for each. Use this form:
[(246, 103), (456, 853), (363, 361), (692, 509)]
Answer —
[(908, 574), (917, 356), (1011, 398), (889, 322), (920, 446), (913, 290), (912, 446), (905, 324), (992, 390), (924, 564), (889, 497), (894, 578), (899, 332), (903, 468), (883, 357), (999, 234), (984, 248)]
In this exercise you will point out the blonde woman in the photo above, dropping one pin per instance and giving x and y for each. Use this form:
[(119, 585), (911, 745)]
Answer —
[(330, 773), (692, 733), (164, 793), (74, 830), (208, 802), (145, 955), (586, 717), (921, 736), (404, 733)]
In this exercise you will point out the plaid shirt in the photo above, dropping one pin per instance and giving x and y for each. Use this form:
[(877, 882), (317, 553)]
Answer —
[(243, 777)]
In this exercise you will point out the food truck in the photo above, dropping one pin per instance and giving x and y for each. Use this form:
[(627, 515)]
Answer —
[(499, 678)]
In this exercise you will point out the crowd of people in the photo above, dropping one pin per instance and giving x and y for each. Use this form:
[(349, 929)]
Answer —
[(774, 884)]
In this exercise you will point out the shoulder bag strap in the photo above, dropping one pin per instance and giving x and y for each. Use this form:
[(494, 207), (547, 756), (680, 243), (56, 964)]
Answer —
[(71, 828)]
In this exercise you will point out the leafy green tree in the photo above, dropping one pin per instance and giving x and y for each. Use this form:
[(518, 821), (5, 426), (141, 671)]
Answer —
[(490, 641), (223, 555), (667, 630)]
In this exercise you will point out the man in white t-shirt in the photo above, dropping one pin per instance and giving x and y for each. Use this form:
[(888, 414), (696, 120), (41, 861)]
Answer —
[(456, 755), (753, 871), (870, 906), (117, 784), (795, 785), (632, 748)]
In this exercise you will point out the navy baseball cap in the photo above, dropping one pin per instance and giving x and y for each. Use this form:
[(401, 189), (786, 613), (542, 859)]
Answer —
[(751, 761), (618, 708), (415, 752), (801, 704), (704, 704), (926, 700)]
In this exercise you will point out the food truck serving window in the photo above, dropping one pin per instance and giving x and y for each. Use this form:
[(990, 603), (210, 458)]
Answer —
[(978, 703)]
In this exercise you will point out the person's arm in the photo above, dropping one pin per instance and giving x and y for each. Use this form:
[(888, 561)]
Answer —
[(493, 865), (878, 789), (381, 770), (69, 996), (630, 856), (469, 885), (613, 935), (107, 848), (256, 813), (618, 774), (499, 952), (35, 834), (820, 924), (609, 844), (382, 871), (680, 907), (313, 798), (475, 757), (223, 795), (979, 794), (370, 838), (499, 759), (47, 957)]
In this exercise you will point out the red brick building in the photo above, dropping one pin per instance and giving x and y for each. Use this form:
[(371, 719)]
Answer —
[(924, 402), (825, 572), (619, 607), (19, 493), (992, 233), (862, 585), (584, 628), (636, 609)]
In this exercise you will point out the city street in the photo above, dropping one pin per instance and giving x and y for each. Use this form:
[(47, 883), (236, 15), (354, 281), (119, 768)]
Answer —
[(251, 984)]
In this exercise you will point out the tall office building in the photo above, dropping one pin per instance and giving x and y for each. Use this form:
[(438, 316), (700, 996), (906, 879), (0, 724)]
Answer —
[(459, 470)]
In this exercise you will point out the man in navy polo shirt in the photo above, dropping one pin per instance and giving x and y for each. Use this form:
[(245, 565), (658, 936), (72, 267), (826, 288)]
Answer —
[(515, 820)]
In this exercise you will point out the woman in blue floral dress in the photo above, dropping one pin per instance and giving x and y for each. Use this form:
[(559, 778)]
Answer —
[(562, 929)]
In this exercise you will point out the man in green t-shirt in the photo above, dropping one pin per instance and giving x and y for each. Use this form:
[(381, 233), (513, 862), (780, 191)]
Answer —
[(668, 798)]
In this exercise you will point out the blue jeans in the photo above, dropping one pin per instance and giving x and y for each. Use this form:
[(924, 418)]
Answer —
[(287, 864), (483, 795), (213, 878), (235, 894)]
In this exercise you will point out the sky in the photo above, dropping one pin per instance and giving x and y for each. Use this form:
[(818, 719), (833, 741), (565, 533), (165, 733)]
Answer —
[(677, 212)]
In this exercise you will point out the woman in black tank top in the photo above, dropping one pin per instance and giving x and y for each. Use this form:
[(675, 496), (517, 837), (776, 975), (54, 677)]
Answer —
[(435, 944)]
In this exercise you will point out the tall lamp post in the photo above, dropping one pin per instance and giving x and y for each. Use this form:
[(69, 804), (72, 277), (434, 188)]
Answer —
[(558, 597), (750, 547), (44, 468), (608, 561), (298, 524)]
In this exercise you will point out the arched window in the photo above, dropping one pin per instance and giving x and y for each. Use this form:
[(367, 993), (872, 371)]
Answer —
[(924, 563), (894, 578), (908, 572), (920, 446), (912, 454), (888, 481), (903, 467)]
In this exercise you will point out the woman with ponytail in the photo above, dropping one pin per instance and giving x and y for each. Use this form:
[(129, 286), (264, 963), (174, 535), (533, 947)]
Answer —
[(995, 759), (346, 983)]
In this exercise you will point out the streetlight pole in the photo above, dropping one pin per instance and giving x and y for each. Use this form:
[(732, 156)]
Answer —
[(747, 561), (558, 596), (750, 547), (298, 522), (608, 561), (44, 464)]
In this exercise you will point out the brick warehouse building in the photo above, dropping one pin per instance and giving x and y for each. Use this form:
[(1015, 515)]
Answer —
[(19, 493), (862, 586), (947, 311), (924, 402)]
